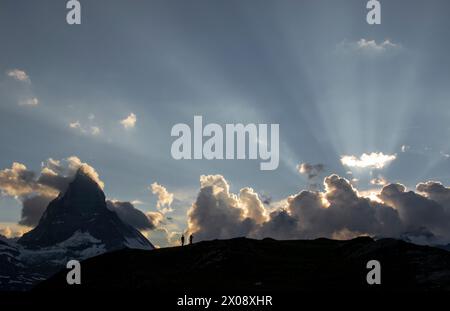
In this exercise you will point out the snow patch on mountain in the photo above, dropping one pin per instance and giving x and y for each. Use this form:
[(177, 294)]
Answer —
[(79, 238), (137, 244), (81, 245)]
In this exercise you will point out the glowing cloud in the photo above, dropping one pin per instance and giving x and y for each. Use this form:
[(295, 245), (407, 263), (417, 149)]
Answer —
[(11, 230), (36, 190), (372, 160), (165, 198), (129, 122), (18, 75)]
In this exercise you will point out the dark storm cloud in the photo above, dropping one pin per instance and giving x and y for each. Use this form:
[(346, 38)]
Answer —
[(216, 213), (416, 211), (133, 216), (35, 190), (436, 192), (18, 181), (281, 226), (21, 183), (340, 211), (33, 208), (54, 181)]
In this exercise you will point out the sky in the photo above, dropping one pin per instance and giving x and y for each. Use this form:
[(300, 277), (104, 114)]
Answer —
[(366, 102)]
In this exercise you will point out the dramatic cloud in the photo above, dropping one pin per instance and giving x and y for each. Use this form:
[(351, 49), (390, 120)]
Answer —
[(33, 208), (217, 213), (340, 211), (164, 237), (419, 212), (129, 122), (29, 102), (165, 198), (18, 181), (252, 205), (13, 231), (35, 191), (310, 170), (155, 219), (67, 168), (135, 217), (436, 191), (374, 160), (18, 75)]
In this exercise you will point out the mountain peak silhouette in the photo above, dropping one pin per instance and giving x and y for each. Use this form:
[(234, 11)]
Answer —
[(82, 209)]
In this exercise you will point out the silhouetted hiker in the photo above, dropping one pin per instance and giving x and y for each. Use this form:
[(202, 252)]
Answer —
[(182, 240), (191, 238)]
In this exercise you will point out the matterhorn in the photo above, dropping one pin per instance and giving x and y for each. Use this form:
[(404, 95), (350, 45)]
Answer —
[(81, 213)]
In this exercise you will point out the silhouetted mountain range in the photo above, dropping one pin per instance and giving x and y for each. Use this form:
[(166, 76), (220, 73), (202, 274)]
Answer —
[(265, 265)]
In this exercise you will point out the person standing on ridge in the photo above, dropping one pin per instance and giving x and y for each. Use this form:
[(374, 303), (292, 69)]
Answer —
[(182, 240), (191, 238)]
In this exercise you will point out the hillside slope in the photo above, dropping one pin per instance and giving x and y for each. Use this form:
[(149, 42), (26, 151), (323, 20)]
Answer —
[(260, 265)]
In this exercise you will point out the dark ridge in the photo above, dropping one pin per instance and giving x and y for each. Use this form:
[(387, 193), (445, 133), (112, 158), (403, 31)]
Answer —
[(265, 265)]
